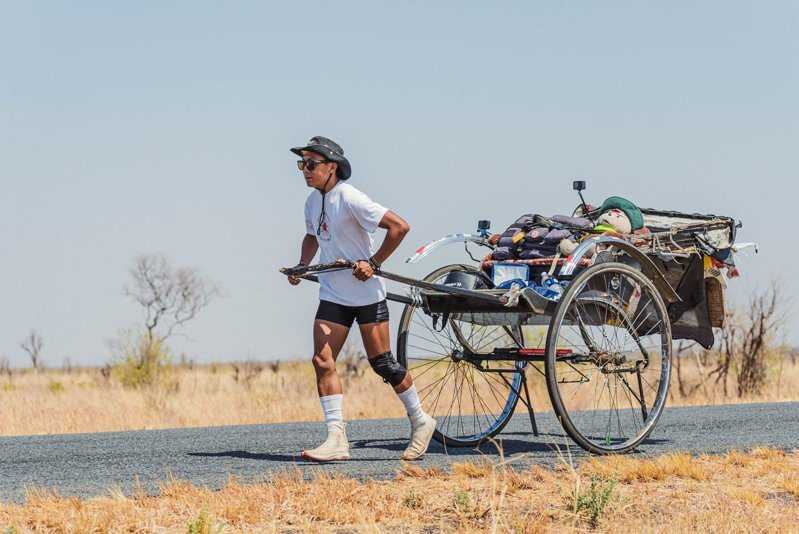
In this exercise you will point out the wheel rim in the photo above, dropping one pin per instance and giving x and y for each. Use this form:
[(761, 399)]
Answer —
[(470, 404), (609, 380)]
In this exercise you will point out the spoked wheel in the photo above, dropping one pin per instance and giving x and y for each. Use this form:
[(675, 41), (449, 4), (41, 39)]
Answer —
[(471, 399), (608, 358)]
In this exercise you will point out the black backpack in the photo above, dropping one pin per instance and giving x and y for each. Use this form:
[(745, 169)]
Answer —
[(535, 236), (511, 242)]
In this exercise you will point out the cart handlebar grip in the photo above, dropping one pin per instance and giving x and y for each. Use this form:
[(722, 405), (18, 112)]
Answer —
[(300, 270)]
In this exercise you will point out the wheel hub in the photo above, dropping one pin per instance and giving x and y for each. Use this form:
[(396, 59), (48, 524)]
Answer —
[(604, 358)]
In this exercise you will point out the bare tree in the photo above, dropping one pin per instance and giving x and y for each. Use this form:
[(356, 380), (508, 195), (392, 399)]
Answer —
[(105, 372), (681, 352), (247, 371), (729, 349), (750, 340), (5, 366), (187, 362), (354, 361), (765, 315), (33, 346), (748, 336), (170, 297)]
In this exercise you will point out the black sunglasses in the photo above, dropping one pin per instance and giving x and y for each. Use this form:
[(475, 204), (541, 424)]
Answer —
[(310, 163)]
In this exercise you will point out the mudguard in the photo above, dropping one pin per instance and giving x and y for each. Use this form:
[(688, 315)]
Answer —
[(647, 267), (424, 250)]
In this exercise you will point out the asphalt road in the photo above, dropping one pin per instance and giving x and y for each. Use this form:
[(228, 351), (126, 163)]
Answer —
[(91, 464)]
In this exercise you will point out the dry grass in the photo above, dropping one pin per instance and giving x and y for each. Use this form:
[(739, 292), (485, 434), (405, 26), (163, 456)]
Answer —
[(675, 493), (86, 400), (702, 388)]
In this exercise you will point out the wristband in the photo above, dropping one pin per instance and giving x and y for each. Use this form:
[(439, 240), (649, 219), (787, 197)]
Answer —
[(373, 263)]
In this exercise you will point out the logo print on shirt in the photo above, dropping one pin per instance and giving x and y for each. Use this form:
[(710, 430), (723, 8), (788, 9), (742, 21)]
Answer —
[(324, 231)]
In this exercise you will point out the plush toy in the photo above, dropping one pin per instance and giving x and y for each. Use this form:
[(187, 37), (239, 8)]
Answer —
[(618, 216), (614, 221)]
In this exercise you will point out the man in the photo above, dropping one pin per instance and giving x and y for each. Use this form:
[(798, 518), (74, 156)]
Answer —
[(340, 221)]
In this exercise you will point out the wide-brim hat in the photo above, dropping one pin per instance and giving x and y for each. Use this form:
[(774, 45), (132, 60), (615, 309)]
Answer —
[(330, 150), (632, 211)]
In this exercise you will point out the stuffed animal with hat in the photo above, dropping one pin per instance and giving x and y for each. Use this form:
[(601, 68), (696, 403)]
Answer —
[(617, 216)]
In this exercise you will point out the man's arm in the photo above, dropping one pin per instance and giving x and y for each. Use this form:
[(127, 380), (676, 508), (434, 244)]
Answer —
[(396, 229), (308, 249), (307, 252)]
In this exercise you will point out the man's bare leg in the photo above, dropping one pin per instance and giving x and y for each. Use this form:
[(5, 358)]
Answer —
[(376, 342), (328, 339)]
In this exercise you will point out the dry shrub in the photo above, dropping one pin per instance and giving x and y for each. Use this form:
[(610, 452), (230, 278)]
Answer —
[(767, 453), (140, 360), (246, 372), (625, 469), (629, 469), (790, 484), (531, 478), (744, 495), (738, 458), (410, 470), (470, 469)]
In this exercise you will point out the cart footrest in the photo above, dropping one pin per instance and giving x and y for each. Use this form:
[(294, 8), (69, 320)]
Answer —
[(518, 354)]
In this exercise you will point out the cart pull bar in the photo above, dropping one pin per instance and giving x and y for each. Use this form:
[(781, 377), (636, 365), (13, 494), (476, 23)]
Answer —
[(338, 265), (303, 271), (389, 295), (441, 288)]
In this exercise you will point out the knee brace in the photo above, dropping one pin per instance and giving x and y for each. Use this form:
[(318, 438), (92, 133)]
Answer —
[(388, 368)]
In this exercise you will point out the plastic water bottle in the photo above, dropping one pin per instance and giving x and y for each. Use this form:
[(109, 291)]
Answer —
[(551, 284), (544, 291)]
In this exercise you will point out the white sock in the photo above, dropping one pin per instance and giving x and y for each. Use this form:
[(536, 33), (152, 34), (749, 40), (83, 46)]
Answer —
[(332, 408), (410, 398)]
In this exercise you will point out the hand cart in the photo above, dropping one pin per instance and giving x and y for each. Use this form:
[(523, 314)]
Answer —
[(604, 343)]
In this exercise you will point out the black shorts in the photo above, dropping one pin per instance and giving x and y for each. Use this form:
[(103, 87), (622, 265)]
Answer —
[(345, 315)]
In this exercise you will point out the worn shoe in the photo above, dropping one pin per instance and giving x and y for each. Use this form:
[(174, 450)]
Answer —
[(421, 433), (335, 448)]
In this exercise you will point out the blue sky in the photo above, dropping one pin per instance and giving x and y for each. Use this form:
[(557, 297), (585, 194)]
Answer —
[(137, 127)]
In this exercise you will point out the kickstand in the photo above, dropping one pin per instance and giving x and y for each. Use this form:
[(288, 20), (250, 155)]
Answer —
[(529, 403), (526, 398)]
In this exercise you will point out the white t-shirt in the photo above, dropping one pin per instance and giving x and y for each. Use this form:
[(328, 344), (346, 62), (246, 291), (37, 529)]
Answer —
[(351, 218)]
